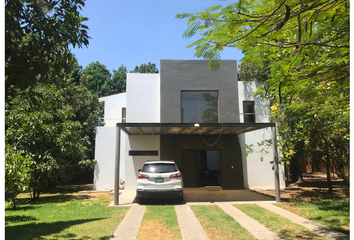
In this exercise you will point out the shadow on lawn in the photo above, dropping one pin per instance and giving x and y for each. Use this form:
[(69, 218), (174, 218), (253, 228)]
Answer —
[(50, 199), (18, 218), (38, 230), (290, 234)]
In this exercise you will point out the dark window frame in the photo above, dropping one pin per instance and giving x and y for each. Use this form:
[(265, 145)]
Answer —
[(217, 91), (249, 114)]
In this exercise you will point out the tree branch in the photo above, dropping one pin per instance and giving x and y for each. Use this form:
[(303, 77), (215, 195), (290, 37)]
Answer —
[(254, 29)]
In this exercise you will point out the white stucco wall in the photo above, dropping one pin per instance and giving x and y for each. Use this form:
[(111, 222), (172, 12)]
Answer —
[(257, 173), (105, 146), (143, 97), (113, 105), (143, 105), (134, 163), (105, 154)]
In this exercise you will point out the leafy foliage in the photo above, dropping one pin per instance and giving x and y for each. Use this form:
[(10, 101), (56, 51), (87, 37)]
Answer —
[(38, 35), (146, 68), (249, 71), (96, 77), (304, 46), (119, 80), (42, 123), (17, 173)]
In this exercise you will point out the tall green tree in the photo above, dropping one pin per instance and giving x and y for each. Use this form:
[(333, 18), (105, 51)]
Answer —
[(146, 68), (48, 113), (250, 71), (38, 33), (306, 43), (97, 78), (119, 80)]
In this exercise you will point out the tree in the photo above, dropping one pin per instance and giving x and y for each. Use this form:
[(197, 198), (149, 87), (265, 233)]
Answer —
[(17, 174), (44, 124), (306, 44), (249, 71), (146, 68), (97, 78), (119, 80), (38, 35)]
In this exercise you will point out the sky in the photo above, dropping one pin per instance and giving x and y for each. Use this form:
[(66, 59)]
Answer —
[(133, 32)]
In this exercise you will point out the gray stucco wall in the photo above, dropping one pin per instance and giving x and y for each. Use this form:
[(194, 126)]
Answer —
[(178, 75)]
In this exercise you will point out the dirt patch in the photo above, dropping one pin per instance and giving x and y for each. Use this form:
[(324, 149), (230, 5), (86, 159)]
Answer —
[(153, 229), (314, 186)]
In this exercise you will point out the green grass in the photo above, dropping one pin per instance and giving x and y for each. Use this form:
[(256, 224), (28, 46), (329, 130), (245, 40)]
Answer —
[(159, 222), (333, 213), (219, 225), (62, 216), (277, 224)]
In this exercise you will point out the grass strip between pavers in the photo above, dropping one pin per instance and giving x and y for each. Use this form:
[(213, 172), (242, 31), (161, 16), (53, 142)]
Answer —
[(58, 216), (333, 213), (279, 225), (159, 223), (219, 225)]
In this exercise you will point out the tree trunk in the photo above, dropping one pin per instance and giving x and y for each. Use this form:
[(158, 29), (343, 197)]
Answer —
[(329, 181), (328, 163)]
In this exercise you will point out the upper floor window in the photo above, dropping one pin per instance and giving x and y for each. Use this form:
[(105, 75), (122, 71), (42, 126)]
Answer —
[(248, 112), (124, 115), (199, 106)]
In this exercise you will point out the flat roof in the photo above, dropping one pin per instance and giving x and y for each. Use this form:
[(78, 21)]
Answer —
[(190, 129)]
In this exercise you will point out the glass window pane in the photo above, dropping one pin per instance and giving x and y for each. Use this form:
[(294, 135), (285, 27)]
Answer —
[(124, 115), (248, 112), (199, 106)]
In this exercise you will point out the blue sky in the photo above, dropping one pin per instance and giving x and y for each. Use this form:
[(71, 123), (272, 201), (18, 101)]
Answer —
[(133, 32)]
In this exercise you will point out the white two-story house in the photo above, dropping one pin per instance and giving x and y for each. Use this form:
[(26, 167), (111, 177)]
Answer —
[(196, 117)]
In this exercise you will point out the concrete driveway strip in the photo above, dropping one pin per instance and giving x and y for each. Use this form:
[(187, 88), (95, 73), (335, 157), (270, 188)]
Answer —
[(312, 226), (129, 226), (189, 224), (251, 225)]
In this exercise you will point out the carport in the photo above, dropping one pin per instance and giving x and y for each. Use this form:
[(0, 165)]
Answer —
[(188, 129)]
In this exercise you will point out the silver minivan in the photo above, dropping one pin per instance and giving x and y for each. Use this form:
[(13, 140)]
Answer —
[(159, 179)]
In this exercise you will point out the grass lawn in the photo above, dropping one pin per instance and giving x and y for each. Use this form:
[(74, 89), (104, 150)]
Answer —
[(159, 222), (63, 216), (219, 225), (333, 213), (281, 226)]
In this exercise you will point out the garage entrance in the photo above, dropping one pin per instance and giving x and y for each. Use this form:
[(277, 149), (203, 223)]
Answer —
[(201, 168), (174, 137)]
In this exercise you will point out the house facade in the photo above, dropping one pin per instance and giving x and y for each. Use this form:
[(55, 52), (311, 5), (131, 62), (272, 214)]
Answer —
[(187, 92)]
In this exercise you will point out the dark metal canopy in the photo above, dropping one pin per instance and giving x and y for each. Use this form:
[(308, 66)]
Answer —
[(190, 128)]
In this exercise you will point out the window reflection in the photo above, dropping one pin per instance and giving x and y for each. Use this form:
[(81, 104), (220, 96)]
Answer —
[(199, 106)]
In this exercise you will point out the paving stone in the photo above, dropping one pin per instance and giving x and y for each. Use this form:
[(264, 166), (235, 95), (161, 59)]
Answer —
[(129, 226), (189, 224)]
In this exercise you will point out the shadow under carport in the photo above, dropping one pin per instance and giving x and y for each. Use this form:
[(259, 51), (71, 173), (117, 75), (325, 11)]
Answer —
[(200, 195), (205, 195)]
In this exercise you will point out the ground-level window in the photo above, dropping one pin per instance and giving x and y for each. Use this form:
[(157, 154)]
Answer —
[(248, 112), (199, 106), (124, 115)]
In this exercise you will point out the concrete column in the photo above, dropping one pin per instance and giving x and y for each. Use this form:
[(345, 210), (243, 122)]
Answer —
[(276, 164), (117, 162)]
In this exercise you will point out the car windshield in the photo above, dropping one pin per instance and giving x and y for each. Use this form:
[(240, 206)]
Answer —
[(159, 168)]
